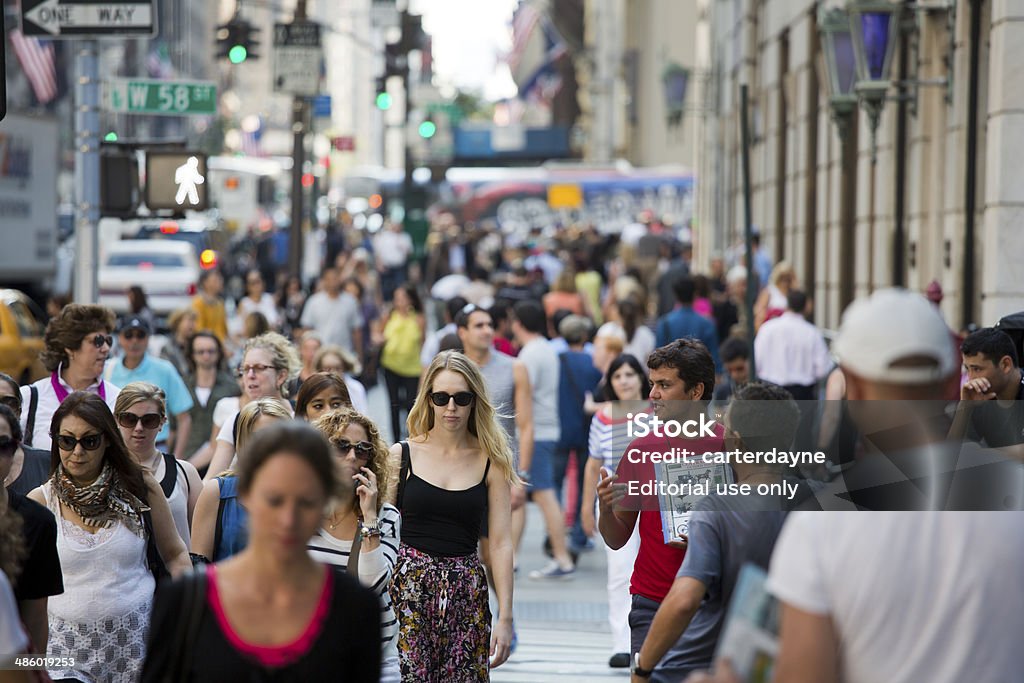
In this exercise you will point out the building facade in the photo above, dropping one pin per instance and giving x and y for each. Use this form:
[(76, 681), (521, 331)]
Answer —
[(935, 198)]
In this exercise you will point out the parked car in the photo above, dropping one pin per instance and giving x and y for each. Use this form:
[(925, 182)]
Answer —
[(166, 270), (210, 243), (21, 336)]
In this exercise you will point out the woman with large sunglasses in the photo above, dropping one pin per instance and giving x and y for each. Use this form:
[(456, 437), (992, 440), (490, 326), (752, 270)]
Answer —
[(360, 511), (76, 346), (108, 512), (141, 411), (446, 485)]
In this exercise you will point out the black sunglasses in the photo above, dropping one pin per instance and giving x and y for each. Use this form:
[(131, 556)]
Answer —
[(12, 402), (91, 442), (100, 339), (135, 334), (363, 449), (462, 398), (129, 420), (7, 446)]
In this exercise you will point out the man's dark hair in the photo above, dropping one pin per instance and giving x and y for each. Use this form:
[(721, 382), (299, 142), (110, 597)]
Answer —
[(796, 301), (450, 342), (691, 360), (453, 306), (531, 316), (764, 415), (462, 319), (993, 344), (733, 348), (684, 288)]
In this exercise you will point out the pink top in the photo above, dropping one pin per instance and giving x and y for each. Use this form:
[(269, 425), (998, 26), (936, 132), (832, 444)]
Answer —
[(275, 656)]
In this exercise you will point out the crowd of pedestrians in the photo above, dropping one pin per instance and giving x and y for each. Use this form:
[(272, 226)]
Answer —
[(168, 514)]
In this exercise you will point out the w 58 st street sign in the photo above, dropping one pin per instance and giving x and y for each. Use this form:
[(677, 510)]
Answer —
[(169, 98), (87, 18)]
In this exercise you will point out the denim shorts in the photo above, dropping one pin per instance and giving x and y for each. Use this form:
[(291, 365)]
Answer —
[(542, 467)]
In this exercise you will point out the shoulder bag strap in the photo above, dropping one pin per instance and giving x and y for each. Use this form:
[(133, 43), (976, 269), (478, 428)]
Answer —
[(404, 473), (33, 404), (194, 585), (572, 378), (352, 568)]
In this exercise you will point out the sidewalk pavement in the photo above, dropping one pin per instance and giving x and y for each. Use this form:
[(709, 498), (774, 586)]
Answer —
[(562, 625)]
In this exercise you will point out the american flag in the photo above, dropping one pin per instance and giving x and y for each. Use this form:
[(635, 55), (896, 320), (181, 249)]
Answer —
[(523, 22), (37, 59), (252, 141)]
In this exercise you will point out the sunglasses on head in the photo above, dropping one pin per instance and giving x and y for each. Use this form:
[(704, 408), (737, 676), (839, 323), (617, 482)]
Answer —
[(7, 446), (135, 334), (363, 449), (100, 339), (12, 402), (129, 420), (462, 398), (90, 442)]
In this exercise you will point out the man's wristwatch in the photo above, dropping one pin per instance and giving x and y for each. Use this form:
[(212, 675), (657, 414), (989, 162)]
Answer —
[(525, 476), (639, 670)]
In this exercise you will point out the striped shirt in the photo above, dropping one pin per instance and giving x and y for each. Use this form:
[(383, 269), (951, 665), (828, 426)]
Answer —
[(375, 568), (608, 438)]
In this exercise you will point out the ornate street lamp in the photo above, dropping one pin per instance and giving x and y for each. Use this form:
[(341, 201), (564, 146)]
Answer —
[(675, 79), (840, 65), (874, 26)]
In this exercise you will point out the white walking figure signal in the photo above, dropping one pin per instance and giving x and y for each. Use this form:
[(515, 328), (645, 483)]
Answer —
[(187, 177)]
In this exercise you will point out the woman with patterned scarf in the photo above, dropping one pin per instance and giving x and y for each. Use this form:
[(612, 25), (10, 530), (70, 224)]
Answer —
[(106, 510)]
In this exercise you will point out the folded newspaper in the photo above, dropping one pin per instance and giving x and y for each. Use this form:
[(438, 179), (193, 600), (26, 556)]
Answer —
[(750, 637), (681, 486)]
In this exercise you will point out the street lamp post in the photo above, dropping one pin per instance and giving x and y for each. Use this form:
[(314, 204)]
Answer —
[(840, 78), (874, 27)]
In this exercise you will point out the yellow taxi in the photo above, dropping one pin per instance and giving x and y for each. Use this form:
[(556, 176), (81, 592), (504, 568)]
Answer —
[(21, 337)]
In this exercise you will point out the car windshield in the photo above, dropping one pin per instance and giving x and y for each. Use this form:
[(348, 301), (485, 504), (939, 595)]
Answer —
[(143, 260), (198, 240)]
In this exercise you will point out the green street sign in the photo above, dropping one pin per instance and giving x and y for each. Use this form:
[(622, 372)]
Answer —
[(167, 98)]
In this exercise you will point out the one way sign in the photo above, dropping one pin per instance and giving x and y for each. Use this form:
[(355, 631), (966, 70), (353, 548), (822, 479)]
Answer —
[(87, 18)]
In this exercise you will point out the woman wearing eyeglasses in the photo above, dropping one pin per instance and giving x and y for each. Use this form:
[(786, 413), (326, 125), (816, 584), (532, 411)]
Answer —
[(108, 511), (219, 525), (76, 345), (361, 511), (402, 337), (140, 412), (446, 485), (268, 361)]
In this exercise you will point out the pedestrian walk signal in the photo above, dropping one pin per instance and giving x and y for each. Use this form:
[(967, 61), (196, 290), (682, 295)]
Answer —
[(236, 41), (176, 181)]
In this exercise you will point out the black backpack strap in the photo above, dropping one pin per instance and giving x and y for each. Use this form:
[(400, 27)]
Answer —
[(153, 560), (188, 486), (170, 475), (217, 530), (33, 404), (404, 472)]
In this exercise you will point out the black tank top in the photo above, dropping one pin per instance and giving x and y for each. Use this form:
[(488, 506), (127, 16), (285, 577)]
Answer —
[(437, 521)]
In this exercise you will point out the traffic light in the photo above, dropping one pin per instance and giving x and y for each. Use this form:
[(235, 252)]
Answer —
[(428, 128), (383, 98), (236, 41)]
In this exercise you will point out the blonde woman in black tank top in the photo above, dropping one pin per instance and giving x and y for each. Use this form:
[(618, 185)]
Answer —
[(456, 467)]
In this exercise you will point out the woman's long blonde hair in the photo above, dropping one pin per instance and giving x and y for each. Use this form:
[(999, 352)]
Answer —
[(253, 410), (483, 422), (333, 424)]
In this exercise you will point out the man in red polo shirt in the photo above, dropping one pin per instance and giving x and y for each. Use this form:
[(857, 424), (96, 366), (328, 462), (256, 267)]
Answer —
[(683, 380)]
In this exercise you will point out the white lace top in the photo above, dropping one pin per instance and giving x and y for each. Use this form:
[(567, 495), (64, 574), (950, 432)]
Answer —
[(102, 618)]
